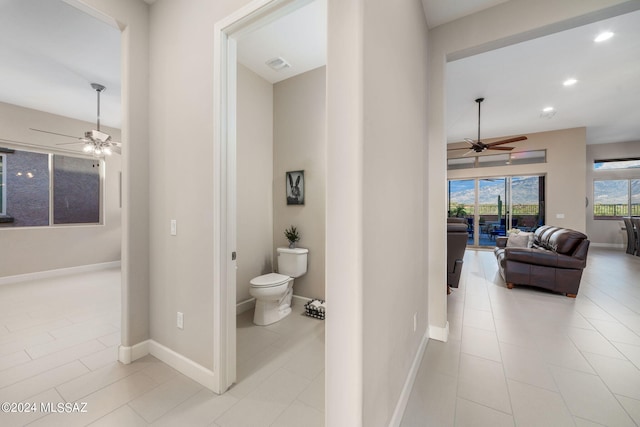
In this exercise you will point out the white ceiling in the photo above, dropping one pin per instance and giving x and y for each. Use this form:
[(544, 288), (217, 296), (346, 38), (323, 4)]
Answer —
[(300, 38), (440, 12), (518, 81), (51, 52)]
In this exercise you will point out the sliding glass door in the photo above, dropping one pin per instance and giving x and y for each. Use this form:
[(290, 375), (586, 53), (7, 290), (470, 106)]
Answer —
[(492, 206)]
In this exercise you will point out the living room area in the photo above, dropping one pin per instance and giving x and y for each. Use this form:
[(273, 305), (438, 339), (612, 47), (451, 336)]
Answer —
[(544, 144), (527, 356)]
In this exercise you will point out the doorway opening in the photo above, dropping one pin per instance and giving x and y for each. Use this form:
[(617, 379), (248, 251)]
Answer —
[(244, 178)]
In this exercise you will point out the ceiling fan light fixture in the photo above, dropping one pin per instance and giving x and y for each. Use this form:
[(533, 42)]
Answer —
[(605, 35), (570, 82)]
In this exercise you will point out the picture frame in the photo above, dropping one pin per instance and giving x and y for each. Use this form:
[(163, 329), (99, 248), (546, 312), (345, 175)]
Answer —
[(294, 182)]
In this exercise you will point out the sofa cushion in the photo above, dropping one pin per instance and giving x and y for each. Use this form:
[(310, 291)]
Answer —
[(520, 240), (566, 241)]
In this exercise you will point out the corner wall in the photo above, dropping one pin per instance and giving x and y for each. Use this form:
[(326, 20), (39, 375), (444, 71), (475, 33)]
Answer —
[(133, 19), (299, 142), (254, 182)]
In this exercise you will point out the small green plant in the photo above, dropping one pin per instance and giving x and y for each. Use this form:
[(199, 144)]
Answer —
[(459, 211), (292, 235)]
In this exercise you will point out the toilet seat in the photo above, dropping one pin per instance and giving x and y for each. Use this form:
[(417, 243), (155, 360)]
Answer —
[(269, 280)]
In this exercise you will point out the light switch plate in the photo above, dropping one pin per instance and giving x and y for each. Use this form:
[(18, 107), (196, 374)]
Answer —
[(174, 227)]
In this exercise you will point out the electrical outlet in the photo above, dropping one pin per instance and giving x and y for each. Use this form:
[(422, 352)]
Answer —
[(180, 320), (174, 227), (415, 321)]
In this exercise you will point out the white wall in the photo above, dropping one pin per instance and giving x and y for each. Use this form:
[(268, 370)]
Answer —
[(565, 192), (395, 132), (608, 232), (300, 144), (35, 249), (254, 145), (377, 69)]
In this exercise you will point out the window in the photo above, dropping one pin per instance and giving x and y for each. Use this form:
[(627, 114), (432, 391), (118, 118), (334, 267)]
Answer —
[(76, 190), (616, 164), (615, 198), (40, 189)]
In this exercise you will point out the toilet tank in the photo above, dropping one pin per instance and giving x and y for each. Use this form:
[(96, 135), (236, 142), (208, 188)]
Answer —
[(292, 262)]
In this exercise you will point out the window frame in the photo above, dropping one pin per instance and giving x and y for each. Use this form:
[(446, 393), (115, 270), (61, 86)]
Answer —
[(629, 196), (50, 160), (3, 184)]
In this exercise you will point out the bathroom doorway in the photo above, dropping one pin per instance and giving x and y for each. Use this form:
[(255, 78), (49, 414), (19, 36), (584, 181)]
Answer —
[(270, 122)]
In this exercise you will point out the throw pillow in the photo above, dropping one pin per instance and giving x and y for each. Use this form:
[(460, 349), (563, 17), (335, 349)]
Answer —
[(519, 240)]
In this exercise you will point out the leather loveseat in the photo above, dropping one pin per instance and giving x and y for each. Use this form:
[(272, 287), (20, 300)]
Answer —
[(555, 261), (457, 236)]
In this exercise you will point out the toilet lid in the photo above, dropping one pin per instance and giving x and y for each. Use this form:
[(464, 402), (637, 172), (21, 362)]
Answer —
[(268, 280)]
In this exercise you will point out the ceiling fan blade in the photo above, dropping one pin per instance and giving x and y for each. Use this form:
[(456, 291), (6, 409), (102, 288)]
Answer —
[(506, 141), (116, 149), (470, 141), (469, 152), (116, 143), (501, 148), (461, 148), (55, 133)]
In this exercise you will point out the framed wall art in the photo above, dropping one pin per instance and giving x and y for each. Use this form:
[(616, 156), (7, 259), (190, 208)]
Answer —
[(295, 187)]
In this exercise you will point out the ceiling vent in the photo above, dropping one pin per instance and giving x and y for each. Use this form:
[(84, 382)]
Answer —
[(278, 64)]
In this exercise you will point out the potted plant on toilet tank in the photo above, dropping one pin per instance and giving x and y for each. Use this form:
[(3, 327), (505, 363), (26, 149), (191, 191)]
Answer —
[(292, 236)]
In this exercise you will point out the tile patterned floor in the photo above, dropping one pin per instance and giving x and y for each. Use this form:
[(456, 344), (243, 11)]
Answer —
[(519, 357), (527, 357), (58, 343)]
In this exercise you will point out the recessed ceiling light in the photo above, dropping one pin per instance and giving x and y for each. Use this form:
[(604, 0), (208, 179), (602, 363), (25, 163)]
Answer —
[(548, 112), (570, 82), (606, 35)]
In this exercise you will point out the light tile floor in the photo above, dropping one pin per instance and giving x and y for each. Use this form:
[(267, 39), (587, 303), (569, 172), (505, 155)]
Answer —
[(526, 357), (58, 343)]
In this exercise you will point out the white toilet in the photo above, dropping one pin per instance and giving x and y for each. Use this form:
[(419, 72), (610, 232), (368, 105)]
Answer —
[(273, 291)]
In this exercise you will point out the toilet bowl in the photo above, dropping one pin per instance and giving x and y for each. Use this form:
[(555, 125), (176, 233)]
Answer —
[(273, 294), (273, 291)]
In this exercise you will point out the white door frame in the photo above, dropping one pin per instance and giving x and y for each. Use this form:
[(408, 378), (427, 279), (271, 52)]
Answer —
[(226, 32)]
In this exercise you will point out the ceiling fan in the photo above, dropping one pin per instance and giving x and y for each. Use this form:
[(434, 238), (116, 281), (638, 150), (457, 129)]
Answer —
[(478, 146), (95, 141)]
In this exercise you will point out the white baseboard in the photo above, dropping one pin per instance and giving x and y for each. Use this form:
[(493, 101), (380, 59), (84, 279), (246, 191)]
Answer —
[(48, 274), (439, 334), (245, 305), (398, 413), (177, 361), (250, 303), (127, 355), (183, 364), (609, 245), (300, 300)]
